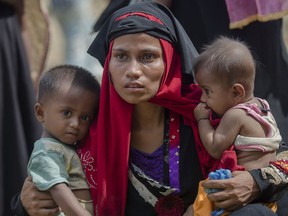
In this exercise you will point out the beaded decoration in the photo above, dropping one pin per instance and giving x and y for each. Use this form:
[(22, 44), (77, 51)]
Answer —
[(277, 172)]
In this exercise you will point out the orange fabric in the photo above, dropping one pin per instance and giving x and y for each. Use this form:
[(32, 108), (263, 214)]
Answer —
[(202, 205)]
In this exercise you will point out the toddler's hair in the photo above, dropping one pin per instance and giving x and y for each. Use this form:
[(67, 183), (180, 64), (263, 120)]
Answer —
[(61, 75)]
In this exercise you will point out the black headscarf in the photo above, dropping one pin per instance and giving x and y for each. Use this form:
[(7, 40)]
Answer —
[(171, 31), (112, 6)]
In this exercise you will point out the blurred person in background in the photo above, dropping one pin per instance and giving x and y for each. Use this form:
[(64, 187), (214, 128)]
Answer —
[(75, 20), (22, 55)]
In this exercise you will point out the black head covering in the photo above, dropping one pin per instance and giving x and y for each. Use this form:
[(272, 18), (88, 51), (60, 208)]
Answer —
[(171, 30), (112, 6)]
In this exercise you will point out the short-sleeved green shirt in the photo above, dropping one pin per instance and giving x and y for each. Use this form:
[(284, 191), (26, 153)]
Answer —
[(53, 162)]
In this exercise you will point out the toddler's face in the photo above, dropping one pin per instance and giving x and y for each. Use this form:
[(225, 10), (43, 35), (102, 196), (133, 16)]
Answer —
[(69, 114)]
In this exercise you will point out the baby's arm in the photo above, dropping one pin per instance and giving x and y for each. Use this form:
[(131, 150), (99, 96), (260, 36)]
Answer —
[(67, 201), (217, 141)]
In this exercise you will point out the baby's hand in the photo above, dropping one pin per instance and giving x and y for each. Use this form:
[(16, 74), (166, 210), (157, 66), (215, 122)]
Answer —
[(201, 111)]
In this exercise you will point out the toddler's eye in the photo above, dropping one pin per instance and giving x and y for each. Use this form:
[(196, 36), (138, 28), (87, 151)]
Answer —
[(85, 118), (66, 113)]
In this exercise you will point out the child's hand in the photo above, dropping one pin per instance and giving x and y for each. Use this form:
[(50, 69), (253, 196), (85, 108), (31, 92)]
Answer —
[(201, 111)]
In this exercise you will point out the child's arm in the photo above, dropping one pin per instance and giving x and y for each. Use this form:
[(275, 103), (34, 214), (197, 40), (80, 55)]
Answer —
[(67, 201), (217, 141)]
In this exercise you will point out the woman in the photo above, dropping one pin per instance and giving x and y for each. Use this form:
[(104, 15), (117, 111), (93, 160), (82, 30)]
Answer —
[(143, 154)]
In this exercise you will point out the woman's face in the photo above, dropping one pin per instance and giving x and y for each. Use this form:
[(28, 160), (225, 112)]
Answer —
[(136, 67)]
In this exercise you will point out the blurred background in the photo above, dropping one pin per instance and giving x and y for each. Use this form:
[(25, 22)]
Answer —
[(71, 30), (36, 35)]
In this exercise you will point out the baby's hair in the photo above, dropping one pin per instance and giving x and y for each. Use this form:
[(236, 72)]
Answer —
[(229, 61), (62, 75)]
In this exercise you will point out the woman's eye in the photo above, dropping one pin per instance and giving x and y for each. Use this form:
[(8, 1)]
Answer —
[(66, 113), (149, 56), (121, 56)]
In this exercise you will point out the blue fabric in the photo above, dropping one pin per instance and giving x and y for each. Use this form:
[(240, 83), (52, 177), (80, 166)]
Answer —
[(217, 174)]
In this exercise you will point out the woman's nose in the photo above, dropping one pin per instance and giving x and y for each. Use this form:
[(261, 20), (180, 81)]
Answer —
[(134, 69)]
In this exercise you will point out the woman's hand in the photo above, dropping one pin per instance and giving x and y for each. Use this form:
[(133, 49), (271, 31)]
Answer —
[(189, 211), (35, 202), (235, 192)]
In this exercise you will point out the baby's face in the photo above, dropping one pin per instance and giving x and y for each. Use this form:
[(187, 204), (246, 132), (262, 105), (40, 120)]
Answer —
[(68, 116), (215, 95)]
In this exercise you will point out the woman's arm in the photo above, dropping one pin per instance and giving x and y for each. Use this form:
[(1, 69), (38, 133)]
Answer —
[(235, 192), (33, 202), (17, 207), (256, 185), (273, 179)]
